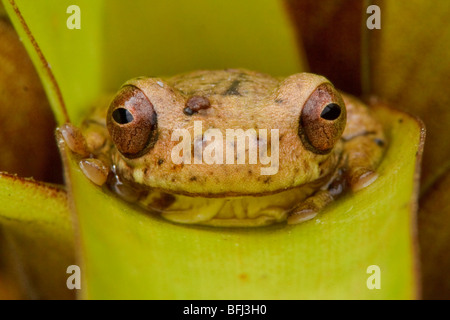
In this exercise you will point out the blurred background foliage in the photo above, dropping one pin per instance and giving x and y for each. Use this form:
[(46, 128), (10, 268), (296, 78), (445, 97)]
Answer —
[(406, 63)]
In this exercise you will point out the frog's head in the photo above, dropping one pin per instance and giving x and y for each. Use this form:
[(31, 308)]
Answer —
[(172, 134)]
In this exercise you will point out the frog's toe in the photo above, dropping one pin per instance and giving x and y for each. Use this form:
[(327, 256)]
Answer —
[(302, 215), (95, 170), (361, 178), (74, 139), (309, 208)]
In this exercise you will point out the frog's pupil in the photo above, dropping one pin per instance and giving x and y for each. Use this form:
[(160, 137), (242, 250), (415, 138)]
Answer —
[(122, 116), (331, 112)]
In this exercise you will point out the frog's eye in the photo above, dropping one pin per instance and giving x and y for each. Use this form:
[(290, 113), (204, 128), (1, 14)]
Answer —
[(131, 122), (322, 120)]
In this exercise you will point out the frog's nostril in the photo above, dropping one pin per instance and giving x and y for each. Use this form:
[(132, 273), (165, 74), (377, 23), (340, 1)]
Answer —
[(331, 112), (122, 116)]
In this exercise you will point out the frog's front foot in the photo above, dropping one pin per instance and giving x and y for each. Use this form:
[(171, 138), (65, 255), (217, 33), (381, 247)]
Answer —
[(94, 169), (359, 178), (309, 208)]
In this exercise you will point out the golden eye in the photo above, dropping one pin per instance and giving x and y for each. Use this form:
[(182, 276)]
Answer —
[(132, 122), (322, 120)]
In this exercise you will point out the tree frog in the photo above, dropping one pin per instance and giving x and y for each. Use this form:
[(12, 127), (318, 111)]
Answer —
[(162, 143)]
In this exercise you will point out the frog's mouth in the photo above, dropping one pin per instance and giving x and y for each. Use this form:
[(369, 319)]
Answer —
[(226, 210), (230, 211)]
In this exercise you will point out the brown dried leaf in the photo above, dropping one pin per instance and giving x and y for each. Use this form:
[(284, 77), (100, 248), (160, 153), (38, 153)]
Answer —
[(410, 61), (27, 143), (330, 32), (434, 237)]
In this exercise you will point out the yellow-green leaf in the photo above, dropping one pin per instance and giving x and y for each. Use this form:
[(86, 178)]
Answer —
[(36, 222)]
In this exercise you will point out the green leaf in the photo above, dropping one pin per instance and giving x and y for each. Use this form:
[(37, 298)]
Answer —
[(36, 222)]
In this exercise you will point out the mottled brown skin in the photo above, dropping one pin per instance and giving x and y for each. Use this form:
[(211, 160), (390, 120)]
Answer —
[(328, 142)]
